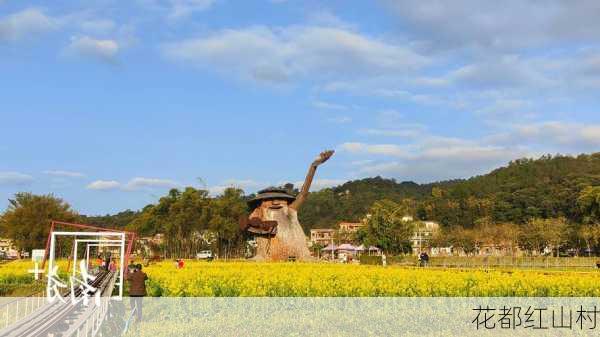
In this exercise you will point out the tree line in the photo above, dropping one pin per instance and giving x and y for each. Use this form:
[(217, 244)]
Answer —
[(190, 220), (387, 228)]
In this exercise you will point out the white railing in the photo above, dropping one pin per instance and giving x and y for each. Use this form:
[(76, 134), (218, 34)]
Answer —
[(19, 308), (90, 322)]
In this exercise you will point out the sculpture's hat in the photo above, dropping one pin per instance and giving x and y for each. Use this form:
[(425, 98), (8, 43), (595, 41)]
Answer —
[(270, 193)]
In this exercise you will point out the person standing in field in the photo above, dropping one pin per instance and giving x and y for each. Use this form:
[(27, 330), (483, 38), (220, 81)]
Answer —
[(112, 266), (424, 258), (180, 264), (107, 259), (131, 267), (137, 290)]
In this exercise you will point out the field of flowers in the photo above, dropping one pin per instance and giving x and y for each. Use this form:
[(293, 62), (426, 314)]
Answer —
[(14, 275), (15, 280), (334, 280), (249, 279)]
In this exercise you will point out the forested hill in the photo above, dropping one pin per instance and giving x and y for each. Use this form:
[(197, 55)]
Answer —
[(546, 187), (116, 221), (351, 200)]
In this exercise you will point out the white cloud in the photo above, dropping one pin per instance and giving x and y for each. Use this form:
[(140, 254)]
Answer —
[(148, 183), (582, 71), (25, 23), (383, 89), (98, 26), (277, 55), (429, 157), (247, 185), (184, 8), (361, 162), (174, 10), (439, 161), (572, 135), (377, 149), (102, 49), (14, 178), (507, 106), (505, 88), (340, 119), (467, 152), (404, 133), (501, 25), (135, 184), (319, 184), (384, 168), (389, 116), (64, 174), (328, 105), (501, 72), (104, 185)]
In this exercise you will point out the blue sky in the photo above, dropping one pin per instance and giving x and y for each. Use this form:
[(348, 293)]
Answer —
[(108, 104)]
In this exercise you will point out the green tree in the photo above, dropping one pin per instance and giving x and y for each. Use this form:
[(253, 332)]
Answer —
[(507, 235), (385, 228), (537, 234), (590, 234), (589, 204), (533, 238), (225, 212), (188, 215), (316, 249), (27, 219), (120, 220), (465, 239), (556, 231), (180, 216)]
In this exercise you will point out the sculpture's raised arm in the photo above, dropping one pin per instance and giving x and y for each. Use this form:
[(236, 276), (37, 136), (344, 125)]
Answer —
[(323, 157)]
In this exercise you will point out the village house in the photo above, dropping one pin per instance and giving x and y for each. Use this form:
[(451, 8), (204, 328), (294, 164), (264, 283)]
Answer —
[(351, 227), (422, 237), (7, 249), (321, 236), (157, 239), (149, 244), (498, 249)]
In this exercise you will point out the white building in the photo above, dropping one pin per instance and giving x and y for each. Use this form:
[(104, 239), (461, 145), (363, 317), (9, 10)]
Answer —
[(321, 236), (421, 239), (7, 248)]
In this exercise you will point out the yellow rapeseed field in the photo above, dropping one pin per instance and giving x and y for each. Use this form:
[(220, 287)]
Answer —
[(334, 280), (329, 280), (15, 280)]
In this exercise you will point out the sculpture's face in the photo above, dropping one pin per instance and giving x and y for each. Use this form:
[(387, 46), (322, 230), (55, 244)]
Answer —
[(273, 206)]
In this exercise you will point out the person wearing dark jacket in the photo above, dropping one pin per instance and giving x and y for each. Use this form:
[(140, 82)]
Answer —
[(423, 259), (137, 290), (107, 258)]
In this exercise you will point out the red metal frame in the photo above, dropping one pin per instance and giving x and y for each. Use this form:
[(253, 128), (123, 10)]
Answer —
[(130, 235)]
